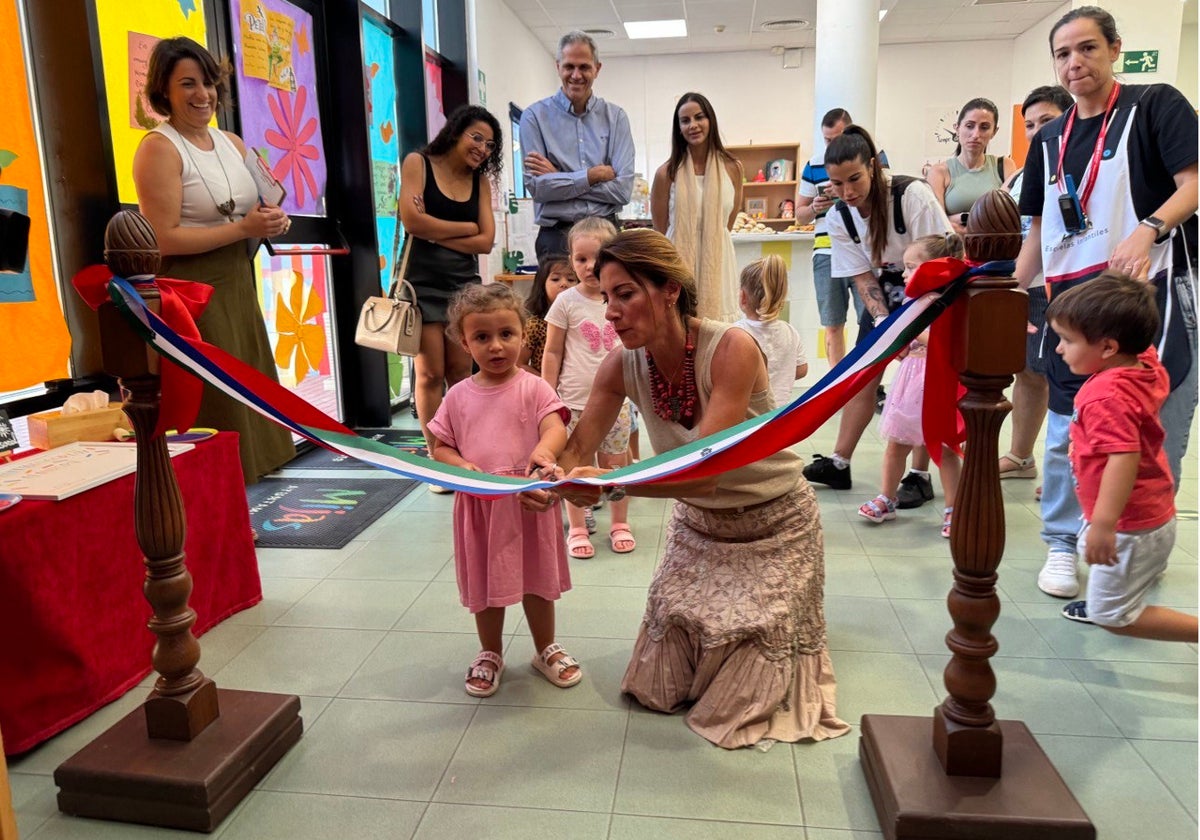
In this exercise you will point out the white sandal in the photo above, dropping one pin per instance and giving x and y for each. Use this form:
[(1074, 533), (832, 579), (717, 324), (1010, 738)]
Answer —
[(553, 671), (488, 667), (1025, 467)]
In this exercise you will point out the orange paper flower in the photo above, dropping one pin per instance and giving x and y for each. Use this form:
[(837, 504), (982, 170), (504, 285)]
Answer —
[(301, 343)]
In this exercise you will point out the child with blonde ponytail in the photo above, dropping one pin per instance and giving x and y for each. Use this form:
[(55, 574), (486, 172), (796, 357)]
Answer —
[(764, 291)]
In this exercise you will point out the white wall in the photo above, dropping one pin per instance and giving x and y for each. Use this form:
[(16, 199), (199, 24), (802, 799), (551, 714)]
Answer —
[(1188, 73), (516, 67), (1032, 64)]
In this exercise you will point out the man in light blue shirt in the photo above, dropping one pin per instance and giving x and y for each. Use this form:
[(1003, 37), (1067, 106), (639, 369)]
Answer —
[(579, 149)]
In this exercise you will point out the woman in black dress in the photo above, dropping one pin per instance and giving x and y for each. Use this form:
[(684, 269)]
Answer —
[(446, 208)]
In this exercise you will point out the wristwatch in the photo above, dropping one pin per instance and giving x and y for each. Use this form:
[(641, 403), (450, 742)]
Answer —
[(613, 493), (1159, 226)]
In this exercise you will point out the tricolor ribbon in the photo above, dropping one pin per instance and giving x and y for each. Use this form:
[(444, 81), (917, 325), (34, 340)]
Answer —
[(937, 285)]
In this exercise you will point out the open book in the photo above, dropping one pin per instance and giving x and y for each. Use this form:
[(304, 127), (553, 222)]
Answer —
[(270, 191)]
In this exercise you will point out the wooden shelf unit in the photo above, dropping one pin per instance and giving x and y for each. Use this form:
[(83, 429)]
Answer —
[(755, 157)]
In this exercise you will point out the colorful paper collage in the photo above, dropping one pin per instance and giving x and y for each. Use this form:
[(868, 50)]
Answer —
[(34, 344), (128, 33), (279, 114), (380, 73), (294, 298)]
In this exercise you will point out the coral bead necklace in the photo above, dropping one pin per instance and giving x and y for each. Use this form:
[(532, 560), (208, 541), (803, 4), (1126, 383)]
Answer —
[(677, 406)]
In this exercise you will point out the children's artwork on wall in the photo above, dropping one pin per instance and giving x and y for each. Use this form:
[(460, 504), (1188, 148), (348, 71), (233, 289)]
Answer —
[(380, 75), (34, 344), (294, 298), (279, 111), (435, 108), (127, 33)]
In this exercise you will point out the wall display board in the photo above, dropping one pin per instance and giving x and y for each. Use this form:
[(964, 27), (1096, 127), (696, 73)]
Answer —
[(294, 295), (435, 103), (34, 344), (276, 97), (127, 34), (380, 73)]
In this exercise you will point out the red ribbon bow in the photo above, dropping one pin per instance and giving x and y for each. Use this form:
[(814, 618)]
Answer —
[(182, 301), (941, 422)]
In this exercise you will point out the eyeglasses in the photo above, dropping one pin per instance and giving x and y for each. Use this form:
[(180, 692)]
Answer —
[(478, 140)]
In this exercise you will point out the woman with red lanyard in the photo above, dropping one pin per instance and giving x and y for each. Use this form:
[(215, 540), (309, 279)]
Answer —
[(1110, 184)]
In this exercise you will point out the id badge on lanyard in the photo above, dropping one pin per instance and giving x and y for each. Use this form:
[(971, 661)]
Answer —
[(1071, 204)]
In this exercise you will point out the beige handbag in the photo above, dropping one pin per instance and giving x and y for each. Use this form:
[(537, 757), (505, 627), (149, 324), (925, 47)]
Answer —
[(392, 323)]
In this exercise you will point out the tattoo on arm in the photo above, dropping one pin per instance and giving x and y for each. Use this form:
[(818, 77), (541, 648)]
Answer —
[(874, 300)]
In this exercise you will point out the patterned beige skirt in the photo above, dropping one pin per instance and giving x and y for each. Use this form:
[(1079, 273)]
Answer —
[(735, 625)]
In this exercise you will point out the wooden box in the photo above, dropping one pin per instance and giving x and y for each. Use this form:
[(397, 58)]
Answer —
[(53, 428)]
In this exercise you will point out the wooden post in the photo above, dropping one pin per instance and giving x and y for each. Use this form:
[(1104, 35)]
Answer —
[(190, 754), (965, 773)]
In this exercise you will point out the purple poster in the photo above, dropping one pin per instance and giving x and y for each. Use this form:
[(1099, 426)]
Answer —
[(277, 97)]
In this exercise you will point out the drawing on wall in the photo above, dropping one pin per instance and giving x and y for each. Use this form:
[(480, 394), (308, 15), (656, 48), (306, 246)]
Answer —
[(34, 344), (380, 75), (142, 115), (279, 110)]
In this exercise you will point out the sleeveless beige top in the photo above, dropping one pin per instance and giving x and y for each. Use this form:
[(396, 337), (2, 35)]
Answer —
[(752, 484)]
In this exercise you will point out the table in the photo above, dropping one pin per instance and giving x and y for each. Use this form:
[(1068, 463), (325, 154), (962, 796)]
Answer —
[(73, 631)]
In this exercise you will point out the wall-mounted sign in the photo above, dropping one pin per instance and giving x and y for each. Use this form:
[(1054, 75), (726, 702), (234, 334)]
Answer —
[(1138, 61)]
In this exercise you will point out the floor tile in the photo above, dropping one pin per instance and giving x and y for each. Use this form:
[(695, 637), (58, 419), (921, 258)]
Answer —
[(425, 667), (1174, 762), (604, 612), (438, 610), (33, 799), (268, 815), (353, 604), (535, 758), (303, 563), (371, 748), (926, 623), (279, 594), (930, 576), (833, 789), (455, 822), (863, 624), (1144, 699), (851, 574), (705, 781), (392, 560), (62, 827), (837, 834), (299, 660), (45, 757), (1120, 794), (1041, 694), (1073, 640), (658, 828), (881, 683)]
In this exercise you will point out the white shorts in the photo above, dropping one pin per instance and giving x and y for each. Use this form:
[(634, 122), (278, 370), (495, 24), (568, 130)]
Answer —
[(1116, 594), (616, 442)]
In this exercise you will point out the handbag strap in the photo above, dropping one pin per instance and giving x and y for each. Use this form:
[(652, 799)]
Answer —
[(399, 280)]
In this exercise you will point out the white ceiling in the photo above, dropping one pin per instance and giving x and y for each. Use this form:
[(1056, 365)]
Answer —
[(908, 21)]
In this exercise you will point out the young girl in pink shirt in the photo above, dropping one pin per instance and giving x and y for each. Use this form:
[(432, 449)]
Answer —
[(498, 421)]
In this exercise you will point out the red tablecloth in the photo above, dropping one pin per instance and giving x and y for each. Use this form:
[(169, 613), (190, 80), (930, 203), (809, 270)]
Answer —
[(73, 618)]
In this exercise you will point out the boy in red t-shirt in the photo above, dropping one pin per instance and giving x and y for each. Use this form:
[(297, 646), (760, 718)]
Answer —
[(1106, 329)]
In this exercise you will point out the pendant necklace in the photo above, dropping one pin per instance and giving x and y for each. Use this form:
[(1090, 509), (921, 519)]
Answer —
[(225, 208)]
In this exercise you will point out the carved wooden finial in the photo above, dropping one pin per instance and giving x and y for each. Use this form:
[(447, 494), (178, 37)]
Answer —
[(993, 228), (130, 246)]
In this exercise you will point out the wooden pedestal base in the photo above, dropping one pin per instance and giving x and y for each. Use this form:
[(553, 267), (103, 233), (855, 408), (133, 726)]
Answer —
[(915, 799), (126, 776)]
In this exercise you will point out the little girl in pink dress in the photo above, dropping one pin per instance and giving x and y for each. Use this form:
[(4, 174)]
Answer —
[(497, 421)]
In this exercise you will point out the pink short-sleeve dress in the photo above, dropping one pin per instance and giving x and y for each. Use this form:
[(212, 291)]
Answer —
[(501, 550)]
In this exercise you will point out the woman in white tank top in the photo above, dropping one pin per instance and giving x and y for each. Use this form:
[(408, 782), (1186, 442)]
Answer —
[(198, 195)]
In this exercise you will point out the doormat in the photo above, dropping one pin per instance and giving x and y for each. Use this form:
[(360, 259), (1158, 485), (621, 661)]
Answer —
[(320, 458), (319, 512)]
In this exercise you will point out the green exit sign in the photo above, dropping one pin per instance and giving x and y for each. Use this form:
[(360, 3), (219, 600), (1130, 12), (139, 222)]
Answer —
[(1138, 61)]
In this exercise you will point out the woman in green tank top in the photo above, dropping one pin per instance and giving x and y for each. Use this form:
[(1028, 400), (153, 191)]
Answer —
[(961, 180)]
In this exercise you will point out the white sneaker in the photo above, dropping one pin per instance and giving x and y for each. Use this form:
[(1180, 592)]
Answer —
[(1058, 576)]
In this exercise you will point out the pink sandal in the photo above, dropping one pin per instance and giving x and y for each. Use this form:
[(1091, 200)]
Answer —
[(579, 547), (487, 667), (878, 510), (947, 514), (620, 533)]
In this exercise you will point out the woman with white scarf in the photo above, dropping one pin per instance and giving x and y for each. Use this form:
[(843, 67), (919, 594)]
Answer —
[(694, 200)]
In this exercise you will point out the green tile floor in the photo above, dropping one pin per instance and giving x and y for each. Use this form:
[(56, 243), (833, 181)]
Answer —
[(373, 639)]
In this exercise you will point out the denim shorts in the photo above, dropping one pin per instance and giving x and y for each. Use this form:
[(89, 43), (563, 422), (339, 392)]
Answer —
[(834, 294), (1116, 595)]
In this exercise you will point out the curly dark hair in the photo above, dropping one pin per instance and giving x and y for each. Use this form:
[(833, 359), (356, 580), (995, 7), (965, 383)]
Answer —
[(169, 52), (460, 119)]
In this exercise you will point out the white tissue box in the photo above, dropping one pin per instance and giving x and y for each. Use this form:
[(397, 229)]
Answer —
[(53, 428)]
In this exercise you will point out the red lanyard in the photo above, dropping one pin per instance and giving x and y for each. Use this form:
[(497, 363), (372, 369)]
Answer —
[(1085, 190)]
